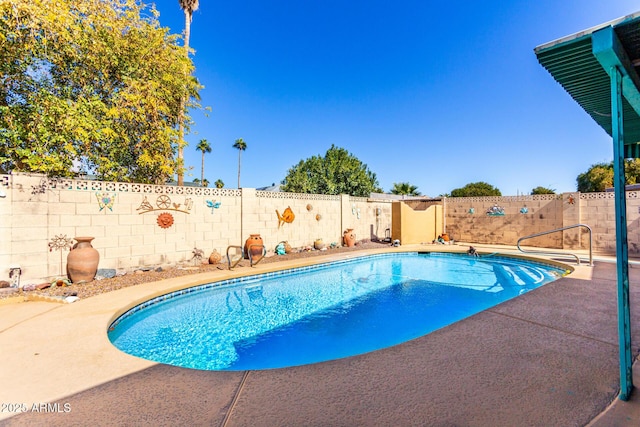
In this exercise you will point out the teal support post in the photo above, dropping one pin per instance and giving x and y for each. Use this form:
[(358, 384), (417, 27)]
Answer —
[(623, 82), (622, 250)]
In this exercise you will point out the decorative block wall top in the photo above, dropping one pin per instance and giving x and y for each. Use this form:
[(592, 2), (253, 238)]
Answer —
[(608, 195), (295, 196), (127, 187), (504, 199), (591, 196)]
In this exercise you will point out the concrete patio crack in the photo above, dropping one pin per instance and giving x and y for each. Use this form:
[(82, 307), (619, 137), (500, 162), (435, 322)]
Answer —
[(552, 328), (236, 396)]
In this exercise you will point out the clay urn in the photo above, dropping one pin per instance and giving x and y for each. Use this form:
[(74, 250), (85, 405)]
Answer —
[(82, 261), (253, 247), (349, 237)]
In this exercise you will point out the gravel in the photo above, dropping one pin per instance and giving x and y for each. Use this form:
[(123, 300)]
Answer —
[(96, 287)]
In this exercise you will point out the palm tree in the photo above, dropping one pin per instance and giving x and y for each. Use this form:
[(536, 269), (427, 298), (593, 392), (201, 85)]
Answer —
[(205, 148), (205, 182), (219, 183), (188, 7), (241, 146), (405, 188)]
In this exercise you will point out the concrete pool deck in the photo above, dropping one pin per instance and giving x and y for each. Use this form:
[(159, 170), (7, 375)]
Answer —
[(549, 357)]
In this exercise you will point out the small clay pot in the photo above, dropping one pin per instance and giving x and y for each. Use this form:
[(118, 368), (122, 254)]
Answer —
[(215, 257)]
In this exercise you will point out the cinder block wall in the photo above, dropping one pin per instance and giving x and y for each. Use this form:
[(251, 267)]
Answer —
[(38, 214), (598, 211), (467, 220)]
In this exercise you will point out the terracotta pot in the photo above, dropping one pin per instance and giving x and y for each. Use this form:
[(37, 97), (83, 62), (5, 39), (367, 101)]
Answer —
[(349, 237), (82, 261), (215, 257), (287, 248), (257, 247)]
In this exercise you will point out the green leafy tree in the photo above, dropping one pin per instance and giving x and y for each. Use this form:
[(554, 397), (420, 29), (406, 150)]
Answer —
[(599, 177), (219, 183), (543, 190), (91, 86), (476, 189), (338, 172), (203, 146), (631, 170), (188, 7), (405, 188), (241, 146)]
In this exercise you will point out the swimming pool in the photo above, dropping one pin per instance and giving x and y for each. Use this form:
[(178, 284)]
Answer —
[(322, 312)]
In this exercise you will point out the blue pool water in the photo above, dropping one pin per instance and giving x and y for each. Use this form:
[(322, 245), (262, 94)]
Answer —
[(320, 313)]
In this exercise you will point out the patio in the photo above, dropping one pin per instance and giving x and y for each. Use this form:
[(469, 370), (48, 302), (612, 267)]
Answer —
[(549, 357)]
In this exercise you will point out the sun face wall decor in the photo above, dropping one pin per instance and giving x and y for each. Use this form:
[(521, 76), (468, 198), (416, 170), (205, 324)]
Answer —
[(165, 220)]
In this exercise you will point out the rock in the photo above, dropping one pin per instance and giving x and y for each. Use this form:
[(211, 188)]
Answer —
[(158, 269), (106, 273), (8, 291), (4, 284)]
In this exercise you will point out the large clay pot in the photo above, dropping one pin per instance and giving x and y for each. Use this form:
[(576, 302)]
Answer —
[(349, 237), (257, 247), (82, 261)]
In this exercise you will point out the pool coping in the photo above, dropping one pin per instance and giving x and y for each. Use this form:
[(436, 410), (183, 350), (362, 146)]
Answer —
[(64, 348)]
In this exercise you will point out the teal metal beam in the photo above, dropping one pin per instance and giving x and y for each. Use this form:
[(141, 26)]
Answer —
[(607, 48), (611, 55)]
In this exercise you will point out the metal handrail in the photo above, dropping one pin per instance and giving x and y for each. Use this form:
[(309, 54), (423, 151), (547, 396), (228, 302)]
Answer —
[(559, 253), (257, 245), (238, 260)]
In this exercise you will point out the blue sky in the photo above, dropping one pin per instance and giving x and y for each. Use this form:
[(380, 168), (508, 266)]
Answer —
[(437, 94)]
